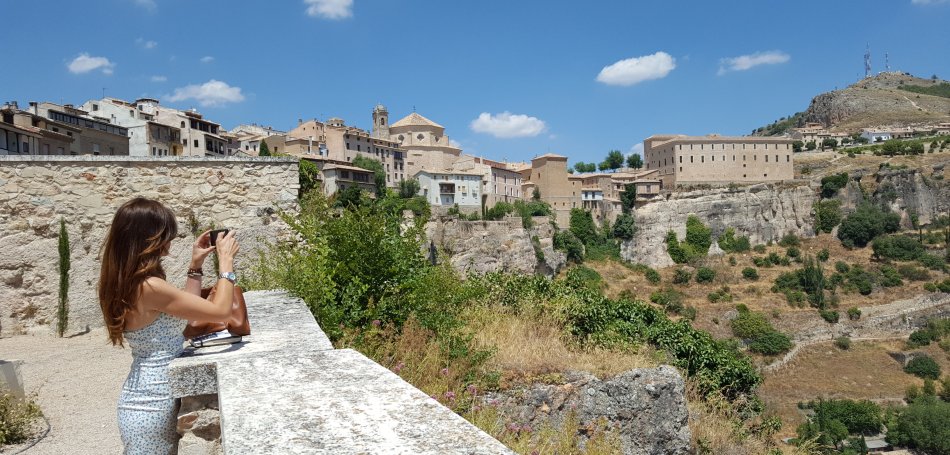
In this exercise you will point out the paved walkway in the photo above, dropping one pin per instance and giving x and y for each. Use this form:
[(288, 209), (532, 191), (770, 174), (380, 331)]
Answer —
[(78, 382)]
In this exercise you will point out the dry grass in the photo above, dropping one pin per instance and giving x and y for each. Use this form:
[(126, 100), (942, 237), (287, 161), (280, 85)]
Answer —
[(551, 438), (865, 371), (532, 346)]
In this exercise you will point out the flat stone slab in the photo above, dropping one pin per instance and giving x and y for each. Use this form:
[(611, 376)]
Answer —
[(285, 390), (337, 402), (279, 323)]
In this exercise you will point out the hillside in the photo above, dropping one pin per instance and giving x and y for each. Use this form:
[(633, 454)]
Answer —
[(886, 100)]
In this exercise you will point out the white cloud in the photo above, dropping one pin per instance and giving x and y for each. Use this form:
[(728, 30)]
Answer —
[(329, 9), (637, 149), (507, 125), (159, 78), (146, 44), (745, 62), (210, 94), (85, 63), (207, 59), (147, 4), (637, 69)]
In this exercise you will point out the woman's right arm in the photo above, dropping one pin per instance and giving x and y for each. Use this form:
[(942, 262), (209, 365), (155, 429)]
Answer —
[(161, 296)]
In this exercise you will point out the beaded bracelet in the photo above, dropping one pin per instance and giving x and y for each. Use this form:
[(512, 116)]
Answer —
[(195, 272)]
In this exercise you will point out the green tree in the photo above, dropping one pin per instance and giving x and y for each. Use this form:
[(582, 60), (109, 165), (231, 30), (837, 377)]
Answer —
[(614, 160), (827, 215), (628, 197), (583, 227), (582, 167), (309, 177), (536, 194), (379, 172), (409, 188), (264, 150), (635, 161), (62, 312), (351, 196), (810, 145), (892, 147), (570, 245), (867, 222), (624, 228), (923, 425), (797, 146), (829, 142)]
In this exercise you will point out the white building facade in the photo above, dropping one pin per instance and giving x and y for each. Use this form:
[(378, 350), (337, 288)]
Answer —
[(448, 188)]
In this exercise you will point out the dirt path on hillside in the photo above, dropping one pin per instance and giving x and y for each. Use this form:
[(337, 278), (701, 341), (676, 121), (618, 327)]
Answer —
[(77, 381)]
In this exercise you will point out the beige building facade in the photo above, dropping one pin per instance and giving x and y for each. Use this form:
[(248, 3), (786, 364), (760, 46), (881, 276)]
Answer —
[(425, 143), (718, 160), (548, 174), (91, 135), (22, 133), (500, 183)]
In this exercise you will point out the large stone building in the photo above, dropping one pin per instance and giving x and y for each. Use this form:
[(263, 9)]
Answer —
[(245, 140), (500, 183), (22, 133), (335, 141), (147, 137), (91, 135), (199, 136), (718, 160), (562, 191), (424, 141), (452, 188)]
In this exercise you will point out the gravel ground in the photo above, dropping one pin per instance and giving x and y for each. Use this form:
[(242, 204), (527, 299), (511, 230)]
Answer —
[(78, 382)]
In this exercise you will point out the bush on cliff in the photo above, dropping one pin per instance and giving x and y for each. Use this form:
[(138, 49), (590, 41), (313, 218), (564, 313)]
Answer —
[(732, 244), (867, 222), (697, 243), (827, 215)]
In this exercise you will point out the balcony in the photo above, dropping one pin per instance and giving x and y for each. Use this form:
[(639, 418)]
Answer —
[(447, 188)]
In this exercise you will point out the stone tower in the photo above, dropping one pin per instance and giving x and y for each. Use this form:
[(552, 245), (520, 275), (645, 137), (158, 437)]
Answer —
[(380, 122)]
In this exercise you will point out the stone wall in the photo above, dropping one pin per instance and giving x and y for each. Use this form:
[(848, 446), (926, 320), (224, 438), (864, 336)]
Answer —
[(85, 191), (495, 246), (762, 212)]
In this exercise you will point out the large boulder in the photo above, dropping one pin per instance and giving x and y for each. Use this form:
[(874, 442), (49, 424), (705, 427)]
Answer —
[(646, 407)]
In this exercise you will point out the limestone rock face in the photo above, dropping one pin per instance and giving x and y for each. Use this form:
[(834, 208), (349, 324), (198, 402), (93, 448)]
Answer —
[(494, 246), (762, 212), (645, 406)]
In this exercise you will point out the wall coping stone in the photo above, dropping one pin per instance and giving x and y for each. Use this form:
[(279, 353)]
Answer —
[(140, 159), (284, 389)]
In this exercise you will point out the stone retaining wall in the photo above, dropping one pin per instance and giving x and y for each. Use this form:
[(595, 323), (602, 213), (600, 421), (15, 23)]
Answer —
[(85, 191)]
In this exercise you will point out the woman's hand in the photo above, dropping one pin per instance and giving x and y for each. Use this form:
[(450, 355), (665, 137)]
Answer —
[(201, 249), (227, 247)]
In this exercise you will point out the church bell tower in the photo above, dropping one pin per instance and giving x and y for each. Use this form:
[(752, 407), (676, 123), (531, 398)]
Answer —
[(380, 122)]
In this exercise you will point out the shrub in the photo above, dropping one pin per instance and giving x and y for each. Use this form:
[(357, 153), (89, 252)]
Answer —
[(829, 316), (583, 227), (843, 343), (923, 366), (842, 267), (582, 277), (890, 277), (823, 255), (913, 273), (732, 261), (670, 299), (732, 244), (832, 183), (793, 252), (723, 294), (827, 215), (750, 273), (759, 248), (931, 261), (705, 275), (624, 228), (854, 313), (696, 245), (867, 222), (790, 240), (771, 343), (761, 261), (774, 258), (16, 417), (750, 325), (681, 276), (921, 337), (930, 287), (898, 247), (499, 211), (566, 241), (652, 275)]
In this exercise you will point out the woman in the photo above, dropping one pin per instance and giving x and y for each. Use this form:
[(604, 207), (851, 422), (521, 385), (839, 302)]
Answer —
[(140, 307)]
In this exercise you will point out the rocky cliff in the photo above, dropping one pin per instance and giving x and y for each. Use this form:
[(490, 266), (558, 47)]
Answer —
[(762, 212), (923, 191), (494, 246)]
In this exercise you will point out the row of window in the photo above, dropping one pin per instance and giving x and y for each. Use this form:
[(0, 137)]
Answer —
[(733, 146), (702, 159), (86, 123)]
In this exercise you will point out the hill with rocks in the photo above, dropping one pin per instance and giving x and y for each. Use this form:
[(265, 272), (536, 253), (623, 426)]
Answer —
[(887, 100)]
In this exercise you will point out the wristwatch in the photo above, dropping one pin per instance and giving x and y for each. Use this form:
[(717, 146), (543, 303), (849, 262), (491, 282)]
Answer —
[(230, 276)]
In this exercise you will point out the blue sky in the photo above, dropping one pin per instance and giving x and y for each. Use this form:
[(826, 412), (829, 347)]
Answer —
[(508, 79)]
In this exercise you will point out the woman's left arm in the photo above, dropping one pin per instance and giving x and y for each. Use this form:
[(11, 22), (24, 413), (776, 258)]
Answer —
[(199, 251)]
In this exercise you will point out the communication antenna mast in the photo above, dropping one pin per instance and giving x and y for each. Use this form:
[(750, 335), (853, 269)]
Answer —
[(887, 63), (867, 62)]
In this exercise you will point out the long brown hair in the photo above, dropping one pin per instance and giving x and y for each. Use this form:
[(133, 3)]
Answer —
[(141, 232)]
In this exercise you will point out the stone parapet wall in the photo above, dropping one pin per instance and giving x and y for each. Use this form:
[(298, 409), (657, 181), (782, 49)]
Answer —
[(85, 191)]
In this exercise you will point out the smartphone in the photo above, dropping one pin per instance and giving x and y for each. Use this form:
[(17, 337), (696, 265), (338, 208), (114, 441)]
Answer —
[(214, 234)]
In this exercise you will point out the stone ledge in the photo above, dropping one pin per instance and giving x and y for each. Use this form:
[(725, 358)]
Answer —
[(146, 159), (284, 389)]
